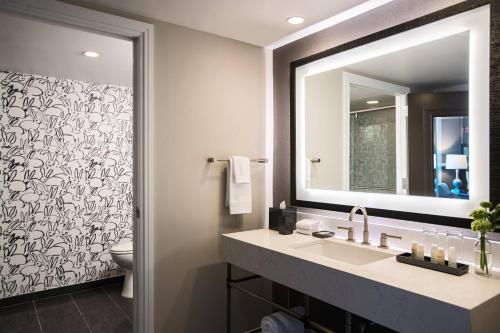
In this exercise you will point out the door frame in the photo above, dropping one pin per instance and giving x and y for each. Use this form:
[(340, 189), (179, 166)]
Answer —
[(428, 116), (142, 34)]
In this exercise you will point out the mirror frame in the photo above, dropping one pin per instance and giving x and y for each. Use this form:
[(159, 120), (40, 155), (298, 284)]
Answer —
[(494, 111)]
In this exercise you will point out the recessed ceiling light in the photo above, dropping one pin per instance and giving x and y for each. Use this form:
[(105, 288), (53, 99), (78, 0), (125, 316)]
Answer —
[(372, 102), (91, 54), (295, 20)]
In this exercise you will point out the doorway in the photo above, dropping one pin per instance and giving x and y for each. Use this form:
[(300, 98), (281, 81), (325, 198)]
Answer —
[(140, 201), (439, 130)]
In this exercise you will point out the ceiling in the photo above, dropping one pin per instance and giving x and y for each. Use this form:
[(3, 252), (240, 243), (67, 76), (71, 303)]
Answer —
[(34, 47), (258, 22), (431, 66), (440, 65), (360, 95)]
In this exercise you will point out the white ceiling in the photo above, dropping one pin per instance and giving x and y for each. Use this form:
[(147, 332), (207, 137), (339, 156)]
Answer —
[(360, 95), (34, 47), (434, 65), (258, 22)]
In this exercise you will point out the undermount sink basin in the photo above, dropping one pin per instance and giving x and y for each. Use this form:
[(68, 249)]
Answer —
[(349, 253)]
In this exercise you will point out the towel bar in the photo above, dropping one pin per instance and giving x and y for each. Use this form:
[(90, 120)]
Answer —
[(258, 160)]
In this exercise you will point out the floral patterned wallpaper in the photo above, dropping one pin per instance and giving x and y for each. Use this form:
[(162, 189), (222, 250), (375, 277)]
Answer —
[(66, 168)]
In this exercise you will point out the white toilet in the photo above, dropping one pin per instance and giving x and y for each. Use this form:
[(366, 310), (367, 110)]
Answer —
[(123, 255)]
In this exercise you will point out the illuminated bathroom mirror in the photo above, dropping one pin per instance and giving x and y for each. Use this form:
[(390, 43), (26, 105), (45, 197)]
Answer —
[(398, 124)]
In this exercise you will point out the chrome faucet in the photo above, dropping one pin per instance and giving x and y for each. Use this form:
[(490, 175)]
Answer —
[(354, 210)]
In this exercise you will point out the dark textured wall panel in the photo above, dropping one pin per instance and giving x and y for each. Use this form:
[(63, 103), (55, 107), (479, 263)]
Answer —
[(495, 101)]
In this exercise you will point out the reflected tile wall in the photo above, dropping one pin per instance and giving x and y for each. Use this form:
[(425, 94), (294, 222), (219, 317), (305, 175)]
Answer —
[(373, 151)]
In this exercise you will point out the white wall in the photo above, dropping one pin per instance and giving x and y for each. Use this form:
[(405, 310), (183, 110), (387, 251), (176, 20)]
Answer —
[(324, 129), (209, 102)]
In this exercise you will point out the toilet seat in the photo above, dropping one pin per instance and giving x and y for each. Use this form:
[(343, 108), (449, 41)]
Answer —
[(123, 256), (123, 248)]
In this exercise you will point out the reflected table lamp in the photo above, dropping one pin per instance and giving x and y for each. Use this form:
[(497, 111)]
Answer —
[(456, 162)]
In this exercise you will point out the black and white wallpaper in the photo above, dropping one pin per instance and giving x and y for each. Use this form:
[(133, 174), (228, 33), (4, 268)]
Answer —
[(66, 168)]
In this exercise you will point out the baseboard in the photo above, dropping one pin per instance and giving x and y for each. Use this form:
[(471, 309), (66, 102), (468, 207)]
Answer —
[(60, 291)]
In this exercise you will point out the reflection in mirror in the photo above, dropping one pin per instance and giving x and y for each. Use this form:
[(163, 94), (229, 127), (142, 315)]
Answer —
[(372, 147), (394, 124), (451, 148)]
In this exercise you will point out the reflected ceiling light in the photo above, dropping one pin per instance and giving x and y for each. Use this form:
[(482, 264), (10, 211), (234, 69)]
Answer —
[(372, 102), (91, 54), (295, 20)]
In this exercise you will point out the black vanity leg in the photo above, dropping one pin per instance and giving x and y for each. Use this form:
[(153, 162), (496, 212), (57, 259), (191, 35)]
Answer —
[(228, 299), (348, 322), (364, 326), (306, 313)]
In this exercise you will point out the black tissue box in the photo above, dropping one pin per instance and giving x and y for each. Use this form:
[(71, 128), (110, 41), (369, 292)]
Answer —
[(283, 220)]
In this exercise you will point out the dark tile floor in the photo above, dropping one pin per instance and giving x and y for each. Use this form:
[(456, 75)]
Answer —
[(98, 310)]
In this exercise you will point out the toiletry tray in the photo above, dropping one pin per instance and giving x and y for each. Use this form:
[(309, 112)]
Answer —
[(406, 258)]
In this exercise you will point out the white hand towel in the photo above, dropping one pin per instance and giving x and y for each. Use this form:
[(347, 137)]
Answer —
[(307, 224), (241, 168), (308, 232), (238, 196), (280, 322)]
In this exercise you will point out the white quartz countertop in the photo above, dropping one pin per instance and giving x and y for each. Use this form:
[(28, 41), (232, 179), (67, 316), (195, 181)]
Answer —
[(466, 292)]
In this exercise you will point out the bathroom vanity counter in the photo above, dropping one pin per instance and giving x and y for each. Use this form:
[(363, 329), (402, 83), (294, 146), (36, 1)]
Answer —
[(402, 297)]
